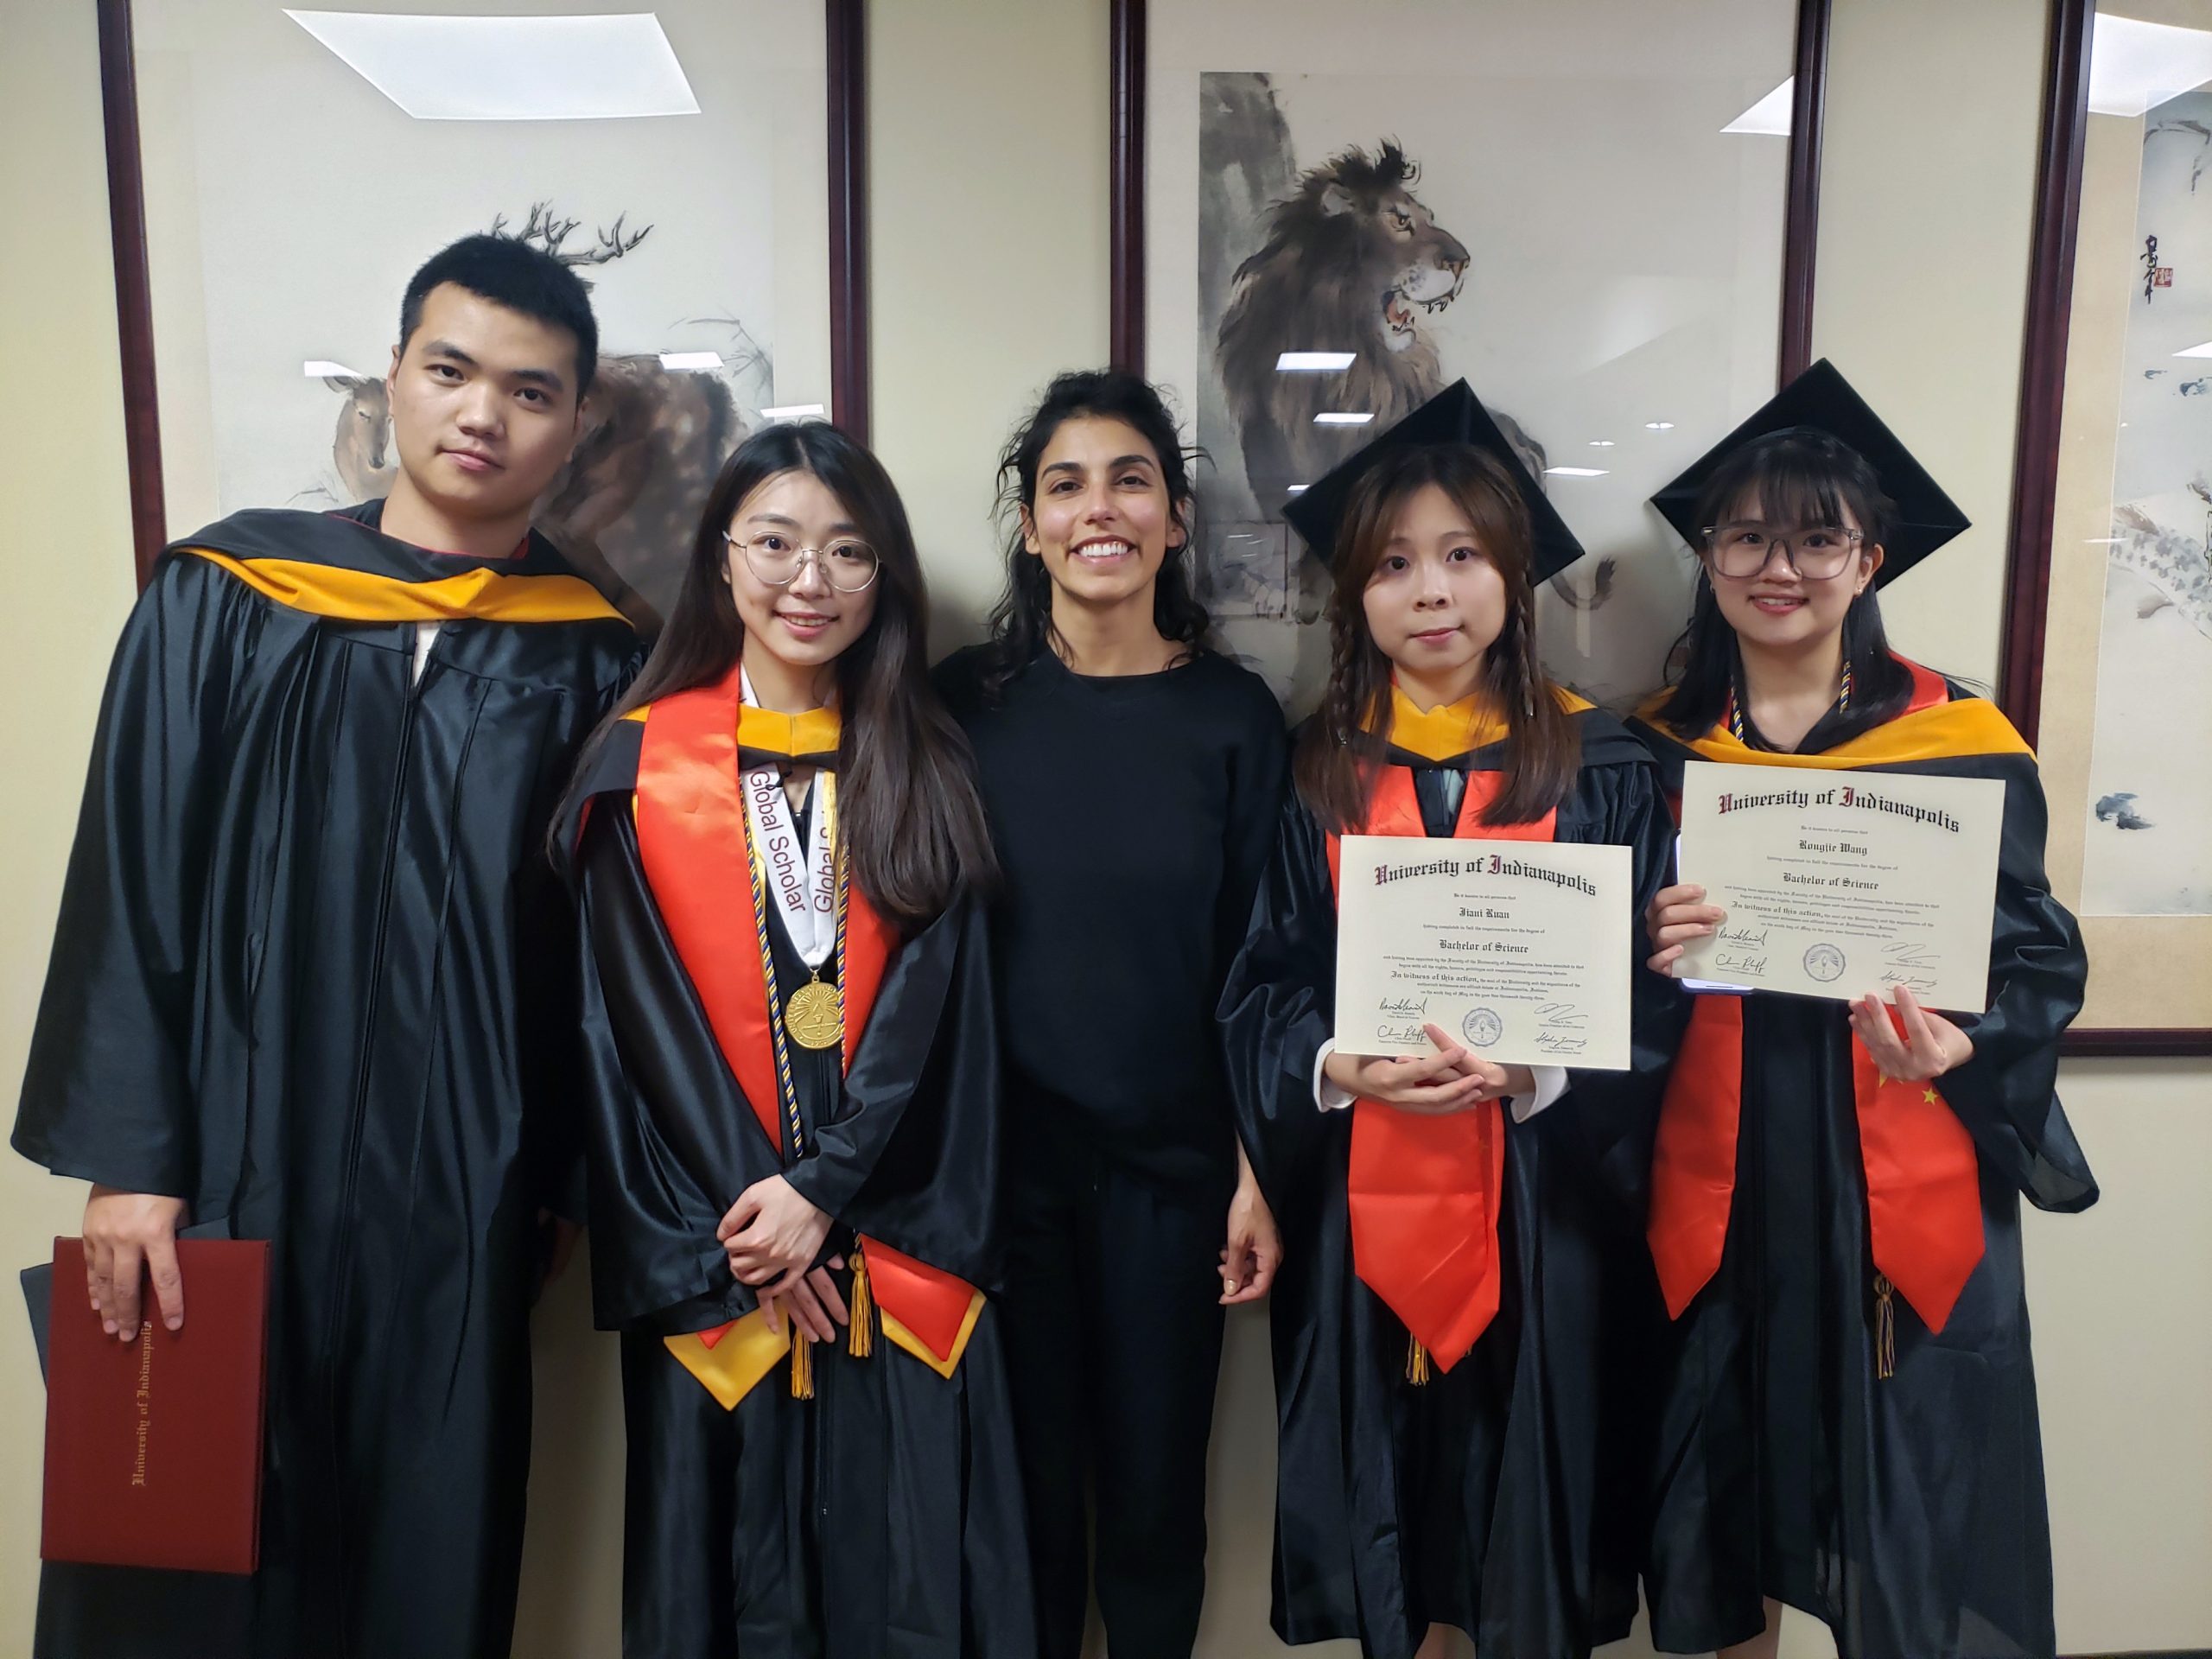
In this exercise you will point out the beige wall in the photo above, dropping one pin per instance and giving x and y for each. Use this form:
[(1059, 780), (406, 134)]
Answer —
[(1927, 191), (66, 565), (990, 274)]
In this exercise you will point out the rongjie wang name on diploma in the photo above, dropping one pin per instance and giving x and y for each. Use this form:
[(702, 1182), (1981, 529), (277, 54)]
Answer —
[(1514, 947), (1837, 884)]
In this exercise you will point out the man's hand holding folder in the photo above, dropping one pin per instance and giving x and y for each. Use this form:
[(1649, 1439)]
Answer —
[(125, 1231), (154, 1441)]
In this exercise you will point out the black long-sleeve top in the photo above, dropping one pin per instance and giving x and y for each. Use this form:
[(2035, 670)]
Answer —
[(1133, 815)]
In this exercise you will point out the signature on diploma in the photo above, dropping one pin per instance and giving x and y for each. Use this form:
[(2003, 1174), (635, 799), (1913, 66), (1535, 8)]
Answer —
[(1561, 1016), (1404, 1036), (1910, 953), (1405, 1008), (1561, 1042), (1911, 963), (1739, 962), (1744, 938)]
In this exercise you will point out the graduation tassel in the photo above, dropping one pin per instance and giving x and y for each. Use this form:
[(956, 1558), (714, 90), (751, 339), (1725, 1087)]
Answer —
[(1416, 1362), (859, 1338), (801, 1364), (1885, 1328)]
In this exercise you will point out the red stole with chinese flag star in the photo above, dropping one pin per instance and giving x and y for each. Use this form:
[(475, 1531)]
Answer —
[(1923, 1193)]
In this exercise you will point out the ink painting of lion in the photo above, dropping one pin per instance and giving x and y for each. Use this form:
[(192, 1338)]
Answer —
[(1544, 206)]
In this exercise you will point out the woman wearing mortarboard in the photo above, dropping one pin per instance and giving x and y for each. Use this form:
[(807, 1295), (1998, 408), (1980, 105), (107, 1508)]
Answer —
[(1456, 1394), (792, 1103), (1848, 1423)]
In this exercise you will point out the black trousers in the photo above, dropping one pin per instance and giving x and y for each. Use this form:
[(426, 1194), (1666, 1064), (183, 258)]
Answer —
[(1113, 1321)]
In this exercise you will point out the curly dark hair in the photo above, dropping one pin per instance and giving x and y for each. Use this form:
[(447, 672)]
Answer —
[(1021, 621)]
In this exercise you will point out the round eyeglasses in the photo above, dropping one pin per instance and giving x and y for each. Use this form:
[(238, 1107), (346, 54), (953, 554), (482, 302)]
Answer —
[(1815, 552), (849, 566)]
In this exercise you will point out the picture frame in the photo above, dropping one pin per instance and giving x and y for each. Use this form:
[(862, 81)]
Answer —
[(760, 299), (1781, 206), (2093, 636)]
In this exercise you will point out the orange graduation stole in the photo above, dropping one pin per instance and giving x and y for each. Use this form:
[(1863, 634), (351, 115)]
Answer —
[(1923, 1191), (1423, 1192), (691, 838)]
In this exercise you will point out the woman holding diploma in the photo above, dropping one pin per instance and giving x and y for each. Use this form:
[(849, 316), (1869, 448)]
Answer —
[(791, 1098), (1457, 1296), (1849, 1422)]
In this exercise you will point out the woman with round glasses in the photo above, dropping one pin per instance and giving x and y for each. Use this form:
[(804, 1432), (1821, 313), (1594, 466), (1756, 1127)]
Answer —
[(1133, 777), (1847, 1418), (791, 1097)]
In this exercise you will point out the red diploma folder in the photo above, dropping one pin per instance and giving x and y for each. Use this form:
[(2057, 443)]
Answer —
[(153, 1447)]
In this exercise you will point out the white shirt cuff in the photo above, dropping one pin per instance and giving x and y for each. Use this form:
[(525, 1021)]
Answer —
[(1327, 1095), (1551, 1083)]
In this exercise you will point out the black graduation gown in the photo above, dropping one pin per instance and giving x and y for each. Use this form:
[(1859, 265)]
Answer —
[(300, 980), (1907, 1513), (883, 1518), (1504, 1496)]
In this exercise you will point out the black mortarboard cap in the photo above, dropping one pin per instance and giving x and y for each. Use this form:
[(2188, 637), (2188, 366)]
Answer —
[(1453, 416), (1821, 400)]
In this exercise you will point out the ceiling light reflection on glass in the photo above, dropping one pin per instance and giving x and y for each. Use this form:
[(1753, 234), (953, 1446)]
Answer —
[(510, 68), (1769, 117), (2134, 66), (1313, 362)]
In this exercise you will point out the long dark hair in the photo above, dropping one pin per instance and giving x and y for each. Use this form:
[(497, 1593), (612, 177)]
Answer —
[(1021, 621), (1799, 476), (913, 824), (1342, 748)]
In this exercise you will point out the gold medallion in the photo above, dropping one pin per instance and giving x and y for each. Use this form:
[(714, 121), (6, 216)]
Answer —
[(812, 1018)]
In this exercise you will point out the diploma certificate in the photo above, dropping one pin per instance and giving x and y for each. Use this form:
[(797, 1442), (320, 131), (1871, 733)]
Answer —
[(1841, 883), (1520, 949)]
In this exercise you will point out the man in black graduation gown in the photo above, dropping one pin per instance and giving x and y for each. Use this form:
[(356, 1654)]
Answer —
[(305, 987)]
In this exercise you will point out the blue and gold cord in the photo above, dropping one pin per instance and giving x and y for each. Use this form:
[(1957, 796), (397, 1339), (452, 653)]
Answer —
[(801, 1359), (1736, 704)]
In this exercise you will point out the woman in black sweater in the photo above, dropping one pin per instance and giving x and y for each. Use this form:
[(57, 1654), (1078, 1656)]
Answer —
[(1132, 776)]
